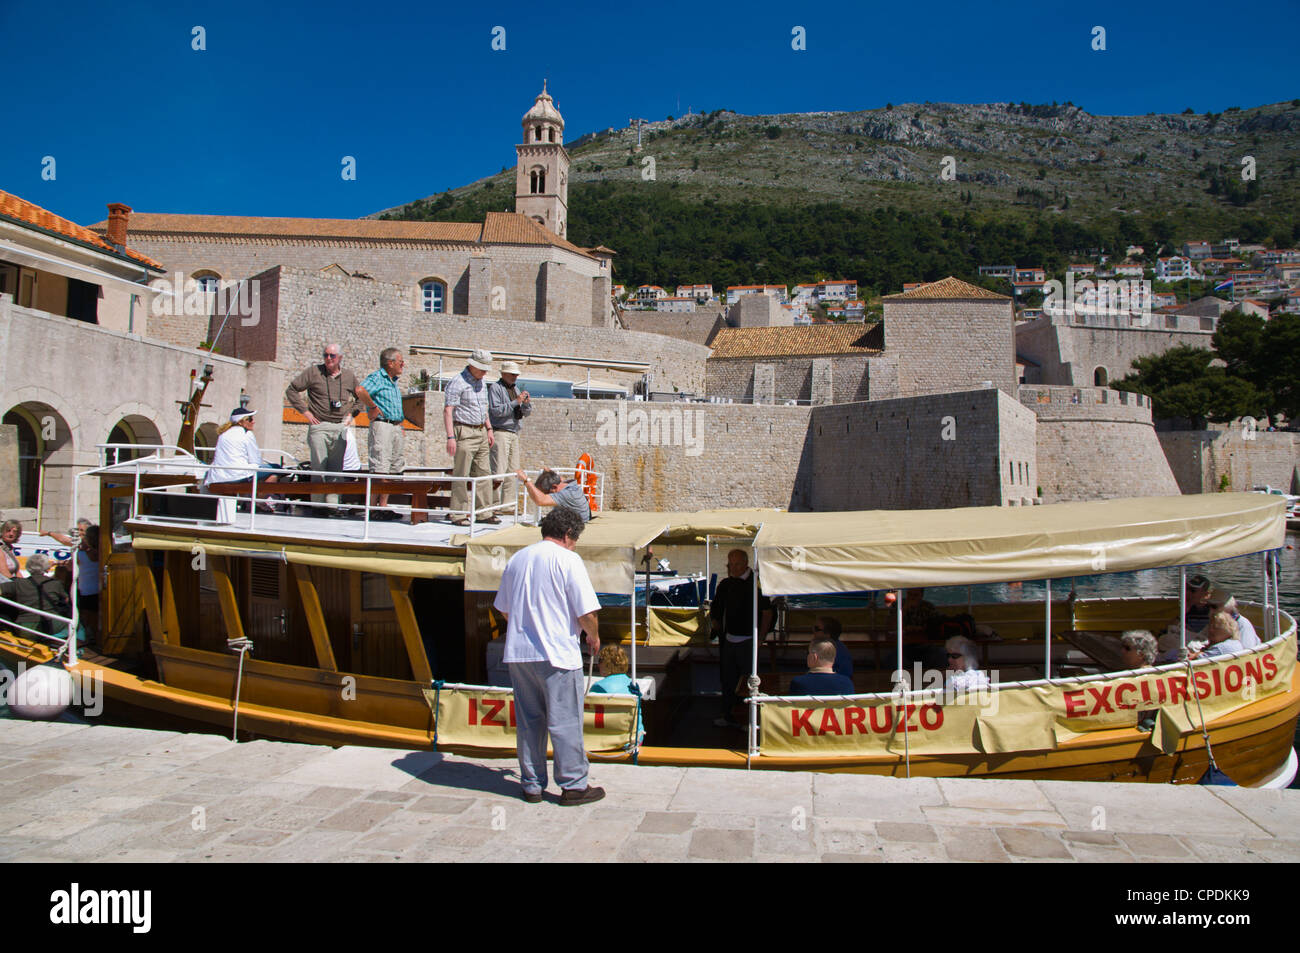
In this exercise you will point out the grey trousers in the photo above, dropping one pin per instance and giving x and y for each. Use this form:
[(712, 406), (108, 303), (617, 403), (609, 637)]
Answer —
[(505, 459), (548, 700)]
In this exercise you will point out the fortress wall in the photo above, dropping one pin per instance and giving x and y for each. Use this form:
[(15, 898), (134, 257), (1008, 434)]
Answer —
[(937, 451), (1069, 354), (734, 377), (661, 456), (1200, 459), (1095, 444), (950, 345)]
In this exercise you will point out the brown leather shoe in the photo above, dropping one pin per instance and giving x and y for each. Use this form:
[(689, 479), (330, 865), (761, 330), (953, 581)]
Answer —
[(586, 796), (532, 797)]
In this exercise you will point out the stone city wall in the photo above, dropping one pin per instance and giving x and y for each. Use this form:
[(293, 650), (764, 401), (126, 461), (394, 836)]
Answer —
[(1095, 444), (850, 378), (1246, 457), (1071, 354), (937, 451)]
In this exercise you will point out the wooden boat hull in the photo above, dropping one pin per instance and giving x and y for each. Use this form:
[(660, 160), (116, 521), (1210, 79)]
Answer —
[(1249, 745)]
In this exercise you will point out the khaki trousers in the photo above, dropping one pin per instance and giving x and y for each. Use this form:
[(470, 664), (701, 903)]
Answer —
[(505, 459), (472, 459), (326, 443)]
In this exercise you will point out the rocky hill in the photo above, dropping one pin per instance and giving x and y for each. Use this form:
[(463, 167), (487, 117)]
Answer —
[(1156, 178)]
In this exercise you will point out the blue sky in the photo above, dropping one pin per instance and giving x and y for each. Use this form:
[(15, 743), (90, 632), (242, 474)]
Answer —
[(258, 123)]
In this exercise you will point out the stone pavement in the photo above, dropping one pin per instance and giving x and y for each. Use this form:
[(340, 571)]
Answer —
[(75, 792)]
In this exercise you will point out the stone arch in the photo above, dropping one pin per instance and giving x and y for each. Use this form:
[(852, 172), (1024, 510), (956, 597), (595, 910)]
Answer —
[(47, 440), (139, 423), (205, 440), (1100, 377)]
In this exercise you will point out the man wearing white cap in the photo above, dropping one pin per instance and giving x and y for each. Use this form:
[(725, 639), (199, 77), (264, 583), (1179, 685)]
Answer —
[(506, 407), (469, 436)]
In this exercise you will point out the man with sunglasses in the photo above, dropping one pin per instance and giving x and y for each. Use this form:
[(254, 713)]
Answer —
[(330, 404)]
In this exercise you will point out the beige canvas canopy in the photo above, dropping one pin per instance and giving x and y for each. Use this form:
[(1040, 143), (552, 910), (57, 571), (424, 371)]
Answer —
[(855, 551), (611, 544), (608, 546)]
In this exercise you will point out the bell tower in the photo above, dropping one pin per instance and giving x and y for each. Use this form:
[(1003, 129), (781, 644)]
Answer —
[(542, 174)]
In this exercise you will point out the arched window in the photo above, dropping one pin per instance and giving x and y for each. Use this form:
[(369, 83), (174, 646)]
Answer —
[(207, 281), (1099, 377), (537, 134), (552, 134), (537, 181), (433, 296)]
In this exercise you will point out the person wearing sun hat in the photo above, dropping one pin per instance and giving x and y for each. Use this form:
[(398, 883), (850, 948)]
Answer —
[(507, 406), (469, 436), (237, 454)]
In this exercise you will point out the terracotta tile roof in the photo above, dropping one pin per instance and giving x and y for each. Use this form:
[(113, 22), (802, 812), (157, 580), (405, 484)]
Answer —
[(508, 228), (947, 289), (25, 213), (806, 339)]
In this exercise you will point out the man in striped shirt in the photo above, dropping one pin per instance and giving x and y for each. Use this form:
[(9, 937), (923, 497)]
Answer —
[(383, 400), (469, 437)]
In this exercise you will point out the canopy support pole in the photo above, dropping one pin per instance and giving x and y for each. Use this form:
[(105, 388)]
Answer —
[(1268, 616), (751, 683), (1047, 663), (1275, 556), (1182, 612), (633, 601), (901, 713)]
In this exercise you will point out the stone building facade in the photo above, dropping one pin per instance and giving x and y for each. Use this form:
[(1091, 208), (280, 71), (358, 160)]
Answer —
[(813, 363), (1091, 350), (950, 335)]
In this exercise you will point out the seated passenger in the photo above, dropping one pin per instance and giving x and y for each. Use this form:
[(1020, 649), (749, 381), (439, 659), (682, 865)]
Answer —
[(917, 613), (550, 490), (1139, 648), (39, 590), (1223, 635), (829, 628), (237, 455), (964, 673), (615, 680), (1245, 628), (1199, 606), (821, 678)]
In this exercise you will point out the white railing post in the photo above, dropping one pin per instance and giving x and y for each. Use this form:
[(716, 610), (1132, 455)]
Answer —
[(1047, 664), (252, 505), (365, 511)]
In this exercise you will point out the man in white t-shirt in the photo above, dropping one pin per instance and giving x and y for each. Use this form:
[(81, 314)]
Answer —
[(549, 603)]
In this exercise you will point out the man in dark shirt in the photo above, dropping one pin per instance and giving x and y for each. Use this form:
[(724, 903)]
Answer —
[(828, 627), (1199, 605), (821, 678), (732, 620)]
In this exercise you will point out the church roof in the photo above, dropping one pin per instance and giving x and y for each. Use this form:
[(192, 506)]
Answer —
[(505, 228), (544, 108), (30, 215), (948, 289), (797, 341)]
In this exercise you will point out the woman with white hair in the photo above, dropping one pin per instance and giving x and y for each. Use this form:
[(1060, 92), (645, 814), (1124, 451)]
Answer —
[(1139, 647), (1246, 633), (963, 665)]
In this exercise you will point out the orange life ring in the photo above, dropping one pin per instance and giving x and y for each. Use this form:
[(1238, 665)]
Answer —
[(585, 476)]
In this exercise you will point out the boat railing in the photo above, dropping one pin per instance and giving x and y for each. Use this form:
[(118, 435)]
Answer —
[(427, 487), (112, 454), (69, 624)]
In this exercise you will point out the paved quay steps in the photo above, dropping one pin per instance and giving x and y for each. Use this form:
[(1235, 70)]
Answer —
[(76, 792)]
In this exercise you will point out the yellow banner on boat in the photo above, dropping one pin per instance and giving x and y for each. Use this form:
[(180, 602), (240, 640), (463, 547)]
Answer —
[(1032, 717), (485, 718)]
